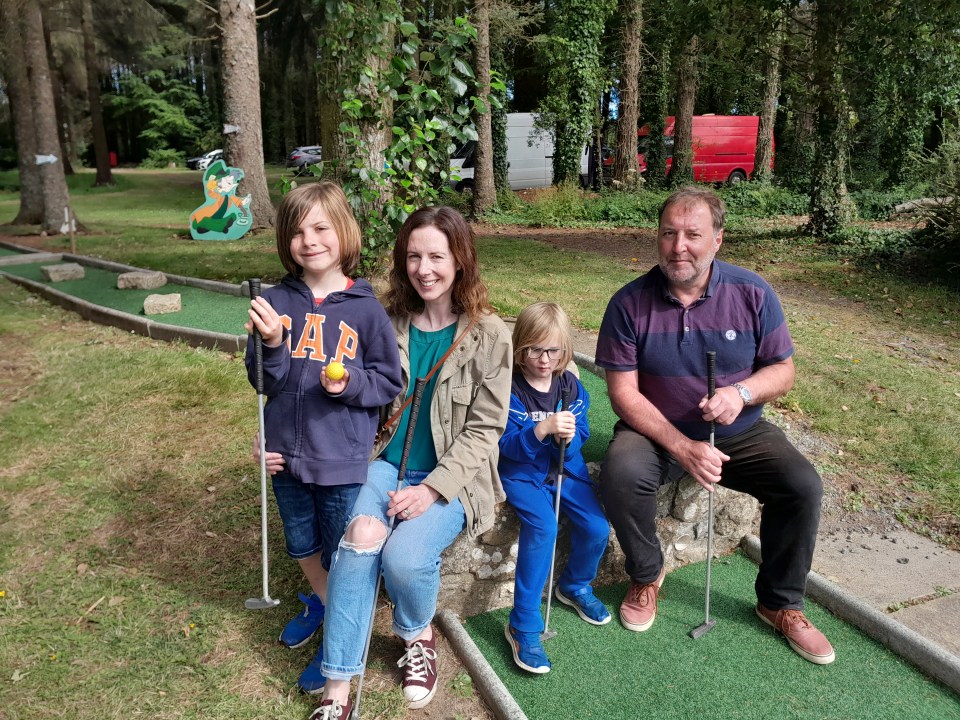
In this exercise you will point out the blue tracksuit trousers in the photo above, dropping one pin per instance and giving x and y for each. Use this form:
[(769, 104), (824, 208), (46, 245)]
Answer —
[(589, 534)]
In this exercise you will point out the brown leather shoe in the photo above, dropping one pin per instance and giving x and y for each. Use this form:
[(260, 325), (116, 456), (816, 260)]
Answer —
[(419, 664), (808, 642), (639, 608)]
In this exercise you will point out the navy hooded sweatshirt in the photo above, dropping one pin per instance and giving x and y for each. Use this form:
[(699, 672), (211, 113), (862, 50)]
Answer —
[(326, 439)]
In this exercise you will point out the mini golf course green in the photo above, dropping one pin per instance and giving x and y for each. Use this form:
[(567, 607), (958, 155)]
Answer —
[(738, 671), (201, 309)]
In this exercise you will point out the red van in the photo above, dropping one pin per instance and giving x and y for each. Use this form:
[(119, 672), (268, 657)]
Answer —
[(724, 147)]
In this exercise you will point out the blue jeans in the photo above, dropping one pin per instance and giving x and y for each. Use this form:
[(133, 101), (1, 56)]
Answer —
[(411, 571), (314, 516), (589, 535)]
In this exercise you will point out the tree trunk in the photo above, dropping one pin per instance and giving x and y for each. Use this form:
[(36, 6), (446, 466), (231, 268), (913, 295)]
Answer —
[(762, 171), (56, 198), (625, 168), (241, 100), (101, 151), (681, 171), (24, 128), (830, 205), (484, 192)]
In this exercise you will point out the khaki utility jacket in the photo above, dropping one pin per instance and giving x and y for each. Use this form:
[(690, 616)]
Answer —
[(468, 413)]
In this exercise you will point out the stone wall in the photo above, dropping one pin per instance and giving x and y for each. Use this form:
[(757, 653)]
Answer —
[(477, 575)]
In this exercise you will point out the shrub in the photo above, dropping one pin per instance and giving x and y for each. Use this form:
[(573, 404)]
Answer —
[(627, 208), (559, 205), (864, 241), (756, 200), (162, 158)]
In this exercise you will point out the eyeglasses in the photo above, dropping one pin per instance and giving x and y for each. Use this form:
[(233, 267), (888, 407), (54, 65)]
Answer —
[(536, 352)]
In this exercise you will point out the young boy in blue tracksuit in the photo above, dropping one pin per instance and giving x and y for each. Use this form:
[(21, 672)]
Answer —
[(529, 457)]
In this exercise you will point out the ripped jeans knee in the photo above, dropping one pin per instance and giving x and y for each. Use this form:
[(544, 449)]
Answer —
[(365, 535)]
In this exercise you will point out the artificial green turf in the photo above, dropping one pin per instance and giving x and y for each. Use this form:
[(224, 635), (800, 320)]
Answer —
[(600, 416), (738, 671), (201, 309)]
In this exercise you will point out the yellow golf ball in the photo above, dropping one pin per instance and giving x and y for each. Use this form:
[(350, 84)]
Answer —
[(335, 370)]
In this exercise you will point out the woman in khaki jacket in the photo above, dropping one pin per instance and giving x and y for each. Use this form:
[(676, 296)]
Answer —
[(443, 320)]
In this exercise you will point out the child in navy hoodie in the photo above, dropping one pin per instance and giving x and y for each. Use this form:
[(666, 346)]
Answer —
[(320, 431), (529, 456)]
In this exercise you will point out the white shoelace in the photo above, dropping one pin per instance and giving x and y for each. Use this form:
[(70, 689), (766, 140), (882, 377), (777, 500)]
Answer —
[(418, 661), (328, 712)]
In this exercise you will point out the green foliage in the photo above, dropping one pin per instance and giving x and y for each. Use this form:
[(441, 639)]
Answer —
[(163, 106), (427, 78), (870, 243), (879, 204), (942, 168), (575, 80), (756, 200), (558, 205), (161, 158)]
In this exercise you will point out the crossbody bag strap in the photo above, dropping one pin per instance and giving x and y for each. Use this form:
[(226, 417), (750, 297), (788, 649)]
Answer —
[(396, 416)]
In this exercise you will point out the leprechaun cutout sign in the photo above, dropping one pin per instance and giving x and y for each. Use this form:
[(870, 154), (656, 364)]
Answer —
[(223, 216)]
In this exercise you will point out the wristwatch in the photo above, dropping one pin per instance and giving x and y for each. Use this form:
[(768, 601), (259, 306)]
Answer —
[(744, 393)]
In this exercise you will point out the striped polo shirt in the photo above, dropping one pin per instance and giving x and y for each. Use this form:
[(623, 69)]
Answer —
[(647, 329)]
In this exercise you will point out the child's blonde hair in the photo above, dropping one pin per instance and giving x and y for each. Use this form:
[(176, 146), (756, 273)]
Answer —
[(537, 322), (298, 203)]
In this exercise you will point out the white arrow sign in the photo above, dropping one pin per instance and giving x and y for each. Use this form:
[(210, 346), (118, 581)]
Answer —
[(69, 224), (46, 159)]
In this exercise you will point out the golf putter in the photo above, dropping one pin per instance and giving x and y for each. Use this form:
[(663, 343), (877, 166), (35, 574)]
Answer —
[(701, 630), (265, 601), (418, 387), (547, 632)]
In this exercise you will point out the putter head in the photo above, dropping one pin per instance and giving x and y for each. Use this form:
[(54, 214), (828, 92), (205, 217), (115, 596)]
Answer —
[(699, 632), (547, 635), (264, 603)]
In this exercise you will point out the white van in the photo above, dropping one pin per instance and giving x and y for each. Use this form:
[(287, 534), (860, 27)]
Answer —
[(529, 157)]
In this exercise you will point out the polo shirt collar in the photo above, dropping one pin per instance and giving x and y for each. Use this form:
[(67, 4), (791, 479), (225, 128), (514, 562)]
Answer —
[(709, 292)]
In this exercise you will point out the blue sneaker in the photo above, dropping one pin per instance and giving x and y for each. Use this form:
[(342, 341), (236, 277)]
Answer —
[(586, 604), (305, 625), (312, 680), (528, 652)]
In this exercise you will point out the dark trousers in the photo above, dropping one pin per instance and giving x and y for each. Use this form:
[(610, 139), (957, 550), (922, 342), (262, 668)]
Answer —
[(762, 463)]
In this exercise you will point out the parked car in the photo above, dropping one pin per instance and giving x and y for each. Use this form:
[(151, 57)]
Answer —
[(203, 161), (303, 157)]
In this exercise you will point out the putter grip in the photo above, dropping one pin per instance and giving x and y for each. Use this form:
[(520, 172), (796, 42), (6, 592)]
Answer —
[(254, 284), (711, 373), (564, 405), (418, 387), (711, 383)]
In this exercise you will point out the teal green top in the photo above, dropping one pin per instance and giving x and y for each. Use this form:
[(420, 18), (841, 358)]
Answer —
[(426, 348)]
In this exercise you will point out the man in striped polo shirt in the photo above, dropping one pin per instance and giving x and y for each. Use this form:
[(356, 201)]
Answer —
[(653, 343)]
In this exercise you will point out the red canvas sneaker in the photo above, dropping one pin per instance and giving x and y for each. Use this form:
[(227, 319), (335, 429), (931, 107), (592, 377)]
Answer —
[(331, 710), (639, 608), (419, 665), (808, 642)]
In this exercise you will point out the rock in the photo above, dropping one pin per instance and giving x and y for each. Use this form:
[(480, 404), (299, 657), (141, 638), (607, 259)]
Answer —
[(160, 304), (477, 575), (65, 271), (141, 280)]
